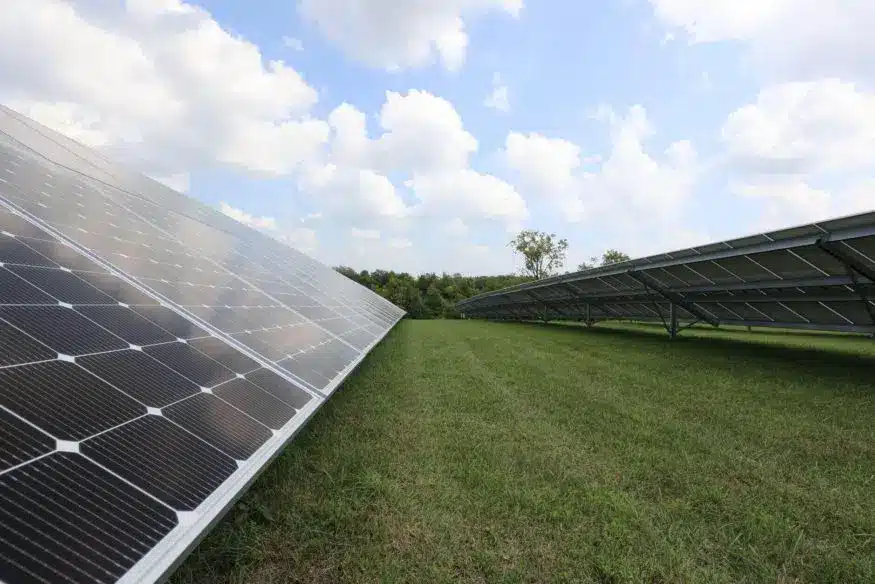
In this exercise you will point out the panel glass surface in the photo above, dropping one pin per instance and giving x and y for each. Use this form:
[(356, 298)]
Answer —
[(152, 360)]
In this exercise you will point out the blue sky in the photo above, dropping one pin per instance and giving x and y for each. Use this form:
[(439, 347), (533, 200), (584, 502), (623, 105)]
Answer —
[(641, 125)]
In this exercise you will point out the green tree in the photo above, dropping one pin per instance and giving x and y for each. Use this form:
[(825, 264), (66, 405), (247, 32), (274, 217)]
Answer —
[(543, 254), (612, 256), (434, 302)]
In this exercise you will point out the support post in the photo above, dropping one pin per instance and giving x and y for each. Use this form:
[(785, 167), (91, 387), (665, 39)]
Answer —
[(588, 316), (674, 298), (672, 321)]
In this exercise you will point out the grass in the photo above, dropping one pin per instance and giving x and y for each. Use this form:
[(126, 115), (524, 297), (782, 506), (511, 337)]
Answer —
[(465, 451)]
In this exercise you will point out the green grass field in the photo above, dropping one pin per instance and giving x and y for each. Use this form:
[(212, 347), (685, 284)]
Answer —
[(464, 451)]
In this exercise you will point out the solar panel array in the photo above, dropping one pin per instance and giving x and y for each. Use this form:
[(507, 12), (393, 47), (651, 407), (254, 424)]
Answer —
[(818, 276), (154, 356)]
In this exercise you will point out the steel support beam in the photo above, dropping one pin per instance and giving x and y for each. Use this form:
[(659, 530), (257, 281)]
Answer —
[(673, 297), (855, 268)]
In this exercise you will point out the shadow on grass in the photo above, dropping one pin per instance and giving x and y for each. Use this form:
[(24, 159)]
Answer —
[(852, 362)]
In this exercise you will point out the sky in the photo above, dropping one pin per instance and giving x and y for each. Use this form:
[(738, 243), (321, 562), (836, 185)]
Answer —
[(422, 135)]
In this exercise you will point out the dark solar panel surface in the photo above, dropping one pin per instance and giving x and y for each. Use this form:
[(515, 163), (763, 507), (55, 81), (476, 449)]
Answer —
[(146, 360), (818, 276)]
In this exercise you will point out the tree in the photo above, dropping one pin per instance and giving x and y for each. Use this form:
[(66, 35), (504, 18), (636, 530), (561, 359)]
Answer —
[(589, 264), (612, 256), (542, 253)]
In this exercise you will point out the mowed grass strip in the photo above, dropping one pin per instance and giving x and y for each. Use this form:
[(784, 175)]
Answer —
[(466, 451)]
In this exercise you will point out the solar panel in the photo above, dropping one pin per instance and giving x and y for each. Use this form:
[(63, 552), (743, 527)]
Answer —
[(154, 356), (819, 276)]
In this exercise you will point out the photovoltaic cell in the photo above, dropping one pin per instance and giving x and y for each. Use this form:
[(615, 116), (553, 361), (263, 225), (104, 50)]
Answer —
[(279, 387), (220, 424), (116, 288), (17, 348), (64, 400), (225, 354), (62, 285), (63, 255), (191, 363), (140, 376), (16, 290), (13, 251), (65, 519), (62, 329), (171, 322), (162, 459), (20, 442), (126, 324), (107, 428), (256, 402)]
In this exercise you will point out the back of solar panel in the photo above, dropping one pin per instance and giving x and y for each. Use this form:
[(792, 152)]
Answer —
[(154, 356)]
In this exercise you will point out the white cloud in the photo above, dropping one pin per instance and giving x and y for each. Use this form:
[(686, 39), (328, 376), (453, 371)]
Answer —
[(400, 243), (159, 84), (350, 193), (786, 201), (423, 133), (498, 99), (803, 128), (396, 35), (265, 223), (423, 143), (179, 182), (468, 193), (364, 233), (635, 181), (301, 238), (455, 227), (797, 38), (293, 43), (803, 151), (629, 186), (547, 168)]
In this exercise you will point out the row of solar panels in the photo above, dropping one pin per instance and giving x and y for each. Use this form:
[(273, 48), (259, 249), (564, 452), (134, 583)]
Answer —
[(817, 276), (154, 356)]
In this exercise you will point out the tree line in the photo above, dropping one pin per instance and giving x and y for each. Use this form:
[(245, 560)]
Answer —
[(432, 296), (429, 295)]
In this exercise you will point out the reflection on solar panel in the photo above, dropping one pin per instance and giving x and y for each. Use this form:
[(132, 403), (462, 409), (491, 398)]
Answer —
[(819, 276), (154, 356)]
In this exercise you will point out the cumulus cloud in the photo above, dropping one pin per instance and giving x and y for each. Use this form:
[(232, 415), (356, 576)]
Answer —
[(160, 83), (630, 185), (547, 168), (301, 238), (497, 98), (264, 223), (423, 141), (397, 35), (468, 193), (400, 243), (293, 43), (803, 128), (800, 39), (455, 227), (179, 182), (364, 233), (803, 151)]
